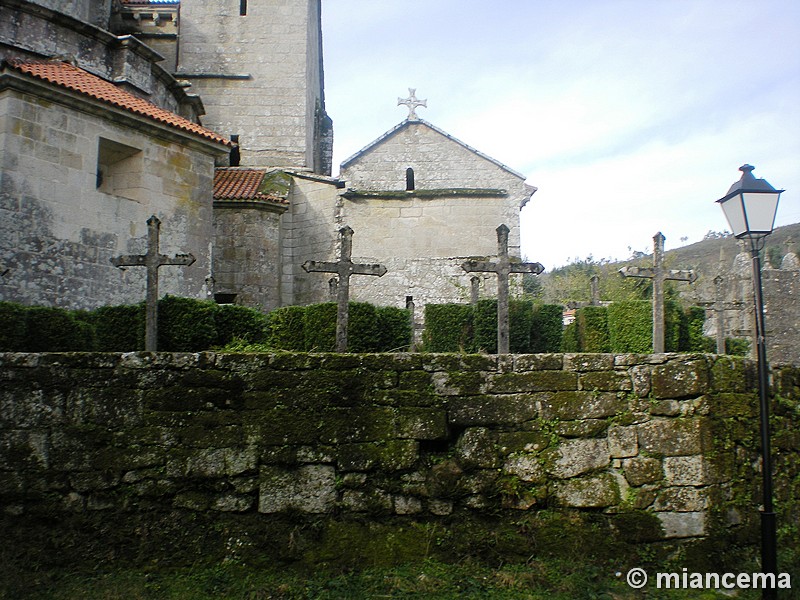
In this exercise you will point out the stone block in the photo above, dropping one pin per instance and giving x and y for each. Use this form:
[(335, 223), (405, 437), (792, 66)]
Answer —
[(476, 448), (615, 381), (575, 457), (421, 423), (572, 405), (641, 470), (622, 442), (682, 524), (686, 470), (525, 466), (533, 381), (682, 379), (309, 489), (681, 499), (390, 455), (492, 410), (599, 491), (538, 362), (672, 437), (588, 362)]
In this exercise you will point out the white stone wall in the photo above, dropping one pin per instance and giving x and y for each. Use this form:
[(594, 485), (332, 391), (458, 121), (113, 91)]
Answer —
[(310, 232), (274, 54), (58, 230)]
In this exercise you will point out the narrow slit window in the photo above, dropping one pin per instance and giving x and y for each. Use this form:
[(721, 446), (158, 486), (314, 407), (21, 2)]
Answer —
[(242, 7), (409, 179), (235, 157)]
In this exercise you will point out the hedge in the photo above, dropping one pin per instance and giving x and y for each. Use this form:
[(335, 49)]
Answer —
[(630, 326), (448, 328), (592, 329), (468, 328), (286, 329)]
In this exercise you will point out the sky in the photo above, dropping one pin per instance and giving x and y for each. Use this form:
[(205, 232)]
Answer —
[(629, 116)]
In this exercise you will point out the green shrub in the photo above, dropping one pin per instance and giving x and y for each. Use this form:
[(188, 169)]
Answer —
[(737, 346), (569, 341), (394, 329), (362, 327), (676, 327), (56, 330), (484, 327), (319, 327), (13, 327), (592, 329), (239, 322), (692, 338), (448, 327), (119, 328), (185, 324), (285, 328), (630, 326), (547, 328)]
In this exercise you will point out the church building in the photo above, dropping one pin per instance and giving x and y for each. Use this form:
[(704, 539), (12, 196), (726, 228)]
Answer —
[(210, 115)]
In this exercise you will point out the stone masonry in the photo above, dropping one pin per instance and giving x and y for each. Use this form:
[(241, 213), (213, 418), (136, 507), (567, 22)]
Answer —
[(385, 438)]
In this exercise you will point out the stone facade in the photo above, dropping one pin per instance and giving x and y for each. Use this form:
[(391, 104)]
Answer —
[(77, 185), (260, 77), (397, 441), (421, 202)]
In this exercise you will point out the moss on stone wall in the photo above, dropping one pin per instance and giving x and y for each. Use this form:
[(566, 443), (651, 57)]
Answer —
[(380, 458)]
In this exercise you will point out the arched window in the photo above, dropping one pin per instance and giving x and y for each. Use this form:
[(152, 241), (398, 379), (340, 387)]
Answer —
[(409, 179)]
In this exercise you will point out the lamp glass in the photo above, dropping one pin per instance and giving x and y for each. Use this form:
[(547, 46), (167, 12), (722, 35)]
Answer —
[(751, 214), (760, 209), (734, 212)]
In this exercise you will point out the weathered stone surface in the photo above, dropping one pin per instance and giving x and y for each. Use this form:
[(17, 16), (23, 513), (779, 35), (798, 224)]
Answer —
[(641, 470), (622, 442), (525, 466), (575, 457), (310, 489), (492, 410), (680, 499), (588, 362), (687, 470), (582, 405), (599, 491), (680, 380), (477, 448), (534, 381), (682, 524), (671, 437)]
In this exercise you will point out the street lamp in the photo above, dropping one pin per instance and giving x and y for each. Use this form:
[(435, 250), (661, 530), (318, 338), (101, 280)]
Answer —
[(750, 207)]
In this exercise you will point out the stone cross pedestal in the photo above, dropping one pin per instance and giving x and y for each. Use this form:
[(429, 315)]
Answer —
[(152, 260), (344, 268), (502, 268), (658, 275)]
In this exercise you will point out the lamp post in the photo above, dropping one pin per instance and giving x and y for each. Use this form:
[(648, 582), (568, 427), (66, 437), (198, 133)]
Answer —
[(750, 207)]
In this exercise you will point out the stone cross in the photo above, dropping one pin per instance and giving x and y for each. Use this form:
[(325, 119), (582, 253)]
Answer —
[(503, 268), (344, 268), (718, 306), (412, 103), (152, 260), (658, 275)]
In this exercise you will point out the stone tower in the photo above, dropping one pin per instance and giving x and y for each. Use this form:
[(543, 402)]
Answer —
[(257, 65)]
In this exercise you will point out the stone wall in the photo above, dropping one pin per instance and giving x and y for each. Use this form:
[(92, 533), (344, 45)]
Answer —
[(166, 457), (78, 182), (259, 75)]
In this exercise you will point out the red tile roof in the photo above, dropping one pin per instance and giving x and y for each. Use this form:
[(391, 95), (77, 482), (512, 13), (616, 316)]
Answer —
[(73, 78), (242, 184)]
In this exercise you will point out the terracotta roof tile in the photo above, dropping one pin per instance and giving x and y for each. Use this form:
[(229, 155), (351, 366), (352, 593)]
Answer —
[(242, 184), (76, 79)]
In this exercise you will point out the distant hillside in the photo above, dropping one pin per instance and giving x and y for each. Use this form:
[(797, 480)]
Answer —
[(571, 283), (704, 256)]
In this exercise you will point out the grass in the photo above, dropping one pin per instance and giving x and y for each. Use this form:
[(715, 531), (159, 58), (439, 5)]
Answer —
[(537, 580)]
